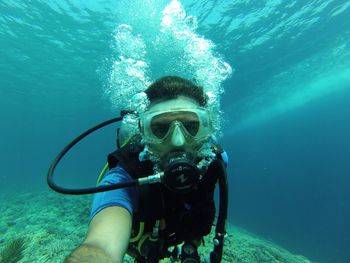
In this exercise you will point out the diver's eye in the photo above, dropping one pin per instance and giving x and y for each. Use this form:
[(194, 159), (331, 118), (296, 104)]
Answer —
[(160, 129), (191, 126)]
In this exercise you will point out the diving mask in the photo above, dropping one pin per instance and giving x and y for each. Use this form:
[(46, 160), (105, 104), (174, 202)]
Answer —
[(176, 125)]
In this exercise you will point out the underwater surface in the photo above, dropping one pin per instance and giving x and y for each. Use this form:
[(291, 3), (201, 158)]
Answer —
[(280, 69)]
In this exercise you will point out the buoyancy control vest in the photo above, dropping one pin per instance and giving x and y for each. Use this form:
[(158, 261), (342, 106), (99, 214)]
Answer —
[(186, 217)]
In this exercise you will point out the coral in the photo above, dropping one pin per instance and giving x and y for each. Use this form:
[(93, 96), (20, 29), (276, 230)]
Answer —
[(13, 252)]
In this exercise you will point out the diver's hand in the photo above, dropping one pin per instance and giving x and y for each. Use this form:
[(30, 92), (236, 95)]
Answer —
[(88, 254)]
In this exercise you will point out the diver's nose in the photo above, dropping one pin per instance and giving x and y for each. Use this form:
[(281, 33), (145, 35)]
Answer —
[(177, 138)]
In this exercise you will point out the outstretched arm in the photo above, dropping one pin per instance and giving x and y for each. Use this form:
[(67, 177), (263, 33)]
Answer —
[(107, 239)]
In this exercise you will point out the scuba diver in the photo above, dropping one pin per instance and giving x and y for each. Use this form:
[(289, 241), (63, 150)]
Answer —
[(175, 208)]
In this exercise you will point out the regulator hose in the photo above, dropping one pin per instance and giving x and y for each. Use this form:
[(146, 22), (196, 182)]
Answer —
[(83, 191)]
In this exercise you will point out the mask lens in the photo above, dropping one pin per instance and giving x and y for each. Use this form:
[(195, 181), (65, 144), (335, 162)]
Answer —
[(160, 124), (191, 126), (160, 129)]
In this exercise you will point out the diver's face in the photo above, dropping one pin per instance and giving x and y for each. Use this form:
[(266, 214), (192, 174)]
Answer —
[(175, 125)]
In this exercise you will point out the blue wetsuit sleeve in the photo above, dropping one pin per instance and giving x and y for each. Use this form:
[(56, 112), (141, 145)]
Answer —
[(124, 197)]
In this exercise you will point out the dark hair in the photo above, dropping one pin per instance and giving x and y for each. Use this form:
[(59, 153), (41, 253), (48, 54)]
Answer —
[(170, 87)]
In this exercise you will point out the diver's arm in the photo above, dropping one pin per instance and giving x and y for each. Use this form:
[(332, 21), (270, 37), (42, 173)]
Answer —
[(107, 239)]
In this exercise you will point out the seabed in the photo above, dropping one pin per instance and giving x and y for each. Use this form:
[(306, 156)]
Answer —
[(45, 227)]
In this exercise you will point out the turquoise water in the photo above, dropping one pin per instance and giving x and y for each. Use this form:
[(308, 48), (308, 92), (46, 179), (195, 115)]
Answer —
[(286, 104)]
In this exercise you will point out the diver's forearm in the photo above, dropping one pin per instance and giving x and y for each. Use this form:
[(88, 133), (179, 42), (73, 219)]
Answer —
[(88, 254)]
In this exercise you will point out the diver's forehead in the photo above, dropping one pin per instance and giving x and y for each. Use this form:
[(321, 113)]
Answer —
[(174, 104)]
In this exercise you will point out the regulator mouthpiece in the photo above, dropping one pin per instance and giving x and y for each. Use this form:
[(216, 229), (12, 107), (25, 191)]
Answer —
[(181, 175)]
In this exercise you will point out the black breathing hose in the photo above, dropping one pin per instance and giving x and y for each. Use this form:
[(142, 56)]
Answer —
[(91, 190), (220, 230)]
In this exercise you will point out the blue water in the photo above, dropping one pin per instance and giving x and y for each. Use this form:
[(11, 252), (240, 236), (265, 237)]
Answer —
[(286, 105)]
